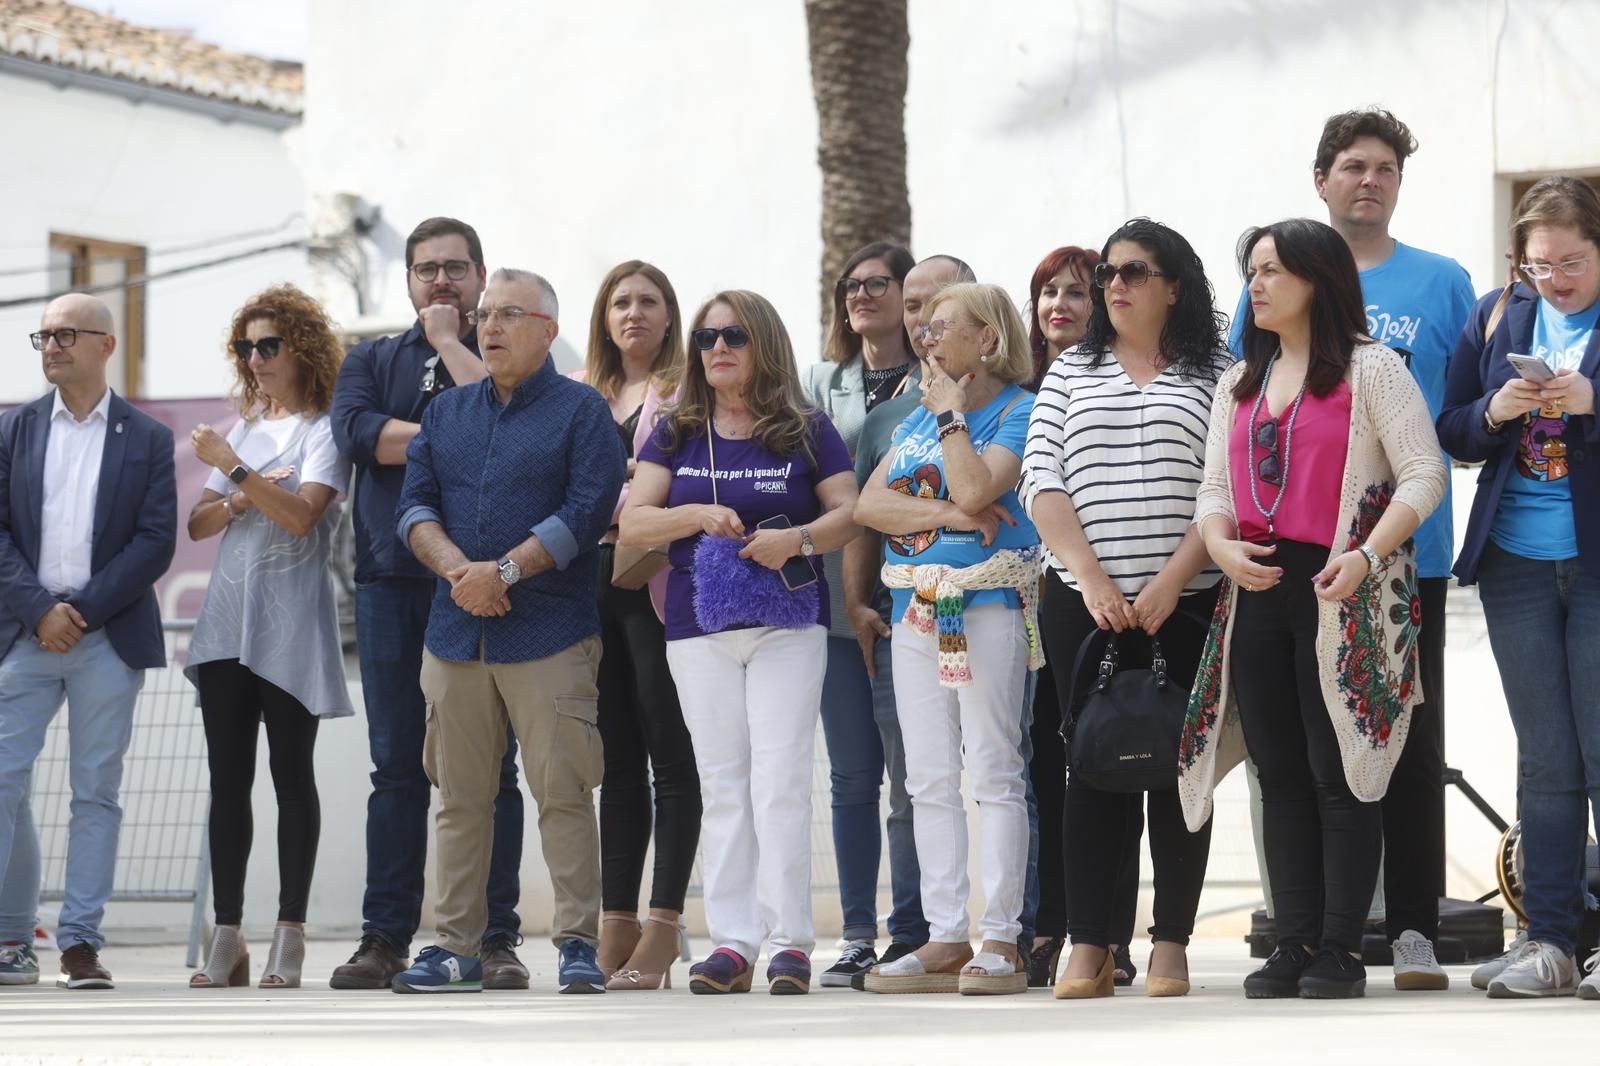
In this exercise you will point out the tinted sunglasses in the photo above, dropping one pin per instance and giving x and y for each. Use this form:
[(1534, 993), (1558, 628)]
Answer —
[(1135, 272), (1268, 469), (705, 338), (267, 346)]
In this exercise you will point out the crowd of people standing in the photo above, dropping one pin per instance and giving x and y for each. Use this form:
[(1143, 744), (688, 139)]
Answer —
[(945, 540)]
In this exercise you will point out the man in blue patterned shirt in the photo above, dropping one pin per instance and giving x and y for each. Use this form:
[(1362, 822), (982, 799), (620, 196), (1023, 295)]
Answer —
[(509, 485)]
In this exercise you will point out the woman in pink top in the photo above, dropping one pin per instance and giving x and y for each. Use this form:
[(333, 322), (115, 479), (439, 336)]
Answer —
[(1321, 461)]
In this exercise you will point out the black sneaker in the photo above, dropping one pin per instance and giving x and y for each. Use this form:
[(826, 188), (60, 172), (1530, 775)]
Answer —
[(1333, 974), (1280, 977), (897, 950), (858, 957)]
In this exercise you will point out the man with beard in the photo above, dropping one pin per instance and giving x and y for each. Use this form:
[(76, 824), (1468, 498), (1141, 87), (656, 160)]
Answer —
[(384, 387)]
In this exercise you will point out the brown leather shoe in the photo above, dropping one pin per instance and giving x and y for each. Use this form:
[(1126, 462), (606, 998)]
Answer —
[(373, 965), (502, 970), (80, 968)]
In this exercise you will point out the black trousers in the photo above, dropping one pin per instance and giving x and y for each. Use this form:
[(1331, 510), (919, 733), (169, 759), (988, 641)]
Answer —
[(1323, 845), (1413, 808), (233, 704), (642, 730), (1101, 830)]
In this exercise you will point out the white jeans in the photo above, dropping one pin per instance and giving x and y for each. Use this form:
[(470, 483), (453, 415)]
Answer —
[(986, 719), (750, 698)]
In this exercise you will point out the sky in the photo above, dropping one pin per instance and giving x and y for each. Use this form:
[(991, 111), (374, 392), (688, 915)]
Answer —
[(276, 30)]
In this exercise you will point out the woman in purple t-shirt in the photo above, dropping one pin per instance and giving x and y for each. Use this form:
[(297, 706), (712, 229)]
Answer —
[(742, 457)]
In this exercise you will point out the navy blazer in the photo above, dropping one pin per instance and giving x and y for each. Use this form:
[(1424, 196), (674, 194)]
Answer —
[(135, 530), (1477, 370)]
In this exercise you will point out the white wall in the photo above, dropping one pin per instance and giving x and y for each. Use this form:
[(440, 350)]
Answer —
[(94, 164)]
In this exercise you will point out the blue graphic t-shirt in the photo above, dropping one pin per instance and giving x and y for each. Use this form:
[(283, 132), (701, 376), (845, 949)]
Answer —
[(1535, 515), (917, 469), (1417, 302)]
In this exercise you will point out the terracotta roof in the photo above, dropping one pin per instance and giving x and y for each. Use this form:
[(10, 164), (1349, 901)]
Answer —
[(69, 36)]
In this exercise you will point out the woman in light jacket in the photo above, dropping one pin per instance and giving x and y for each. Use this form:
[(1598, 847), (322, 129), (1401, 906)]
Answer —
[(1321, 462)]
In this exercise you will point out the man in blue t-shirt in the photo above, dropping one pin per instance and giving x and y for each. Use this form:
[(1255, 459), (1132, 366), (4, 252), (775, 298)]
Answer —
[(1417, 303)]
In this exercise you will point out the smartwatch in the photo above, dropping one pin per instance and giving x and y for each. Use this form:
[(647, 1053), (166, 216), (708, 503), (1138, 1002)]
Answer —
[(510, 572), (950, 422), (238, 474)]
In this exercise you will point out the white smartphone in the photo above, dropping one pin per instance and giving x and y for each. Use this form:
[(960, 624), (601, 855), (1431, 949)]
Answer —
[(1531, 368)]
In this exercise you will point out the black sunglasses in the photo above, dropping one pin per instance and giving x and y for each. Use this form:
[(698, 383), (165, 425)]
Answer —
[(1267, 467), (1135, 272), (65, 338), (267, 346), (705, 339), (875, 286)]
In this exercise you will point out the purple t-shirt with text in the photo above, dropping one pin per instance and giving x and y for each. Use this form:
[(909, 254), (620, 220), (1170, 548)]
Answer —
[(754, 482)]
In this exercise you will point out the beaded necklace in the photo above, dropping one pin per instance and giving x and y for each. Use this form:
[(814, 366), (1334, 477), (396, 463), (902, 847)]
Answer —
[(1250, 446)]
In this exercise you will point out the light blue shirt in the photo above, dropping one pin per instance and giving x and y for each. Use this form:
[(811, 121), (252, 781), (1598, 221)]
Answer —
[(1534, 519), (1416, 302)]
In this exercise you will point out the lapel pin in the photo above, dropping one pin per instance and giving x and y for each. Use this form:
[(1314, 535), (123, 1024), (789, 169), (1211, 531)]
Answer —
[(119, 427)]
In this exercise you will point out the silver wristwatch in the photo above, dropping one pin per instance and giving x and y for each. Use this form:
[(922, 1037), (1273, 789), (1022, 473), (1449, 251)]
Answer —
[(806, 547), (1374, 564), (510, 572)]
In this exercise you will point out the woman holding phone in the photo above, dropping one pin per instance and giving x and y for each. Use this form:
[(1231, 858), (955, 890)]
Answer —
[(1520, 397), (742, 468)]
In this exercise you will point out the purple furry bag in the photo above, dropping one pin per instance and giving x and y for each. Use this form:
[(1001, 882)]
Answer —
[(730, 592)]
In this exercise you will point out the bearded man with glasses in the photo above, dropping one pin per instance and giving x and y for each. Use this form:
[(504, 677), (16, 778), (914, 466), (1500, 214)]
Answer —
[(384, 387)]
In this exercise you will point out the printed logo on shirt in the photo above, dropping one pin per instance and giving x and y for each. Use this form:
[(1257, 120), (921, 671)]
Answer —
[(1560, 358), (926, 482), (1397, 331), (1542, 450), (773, 480)]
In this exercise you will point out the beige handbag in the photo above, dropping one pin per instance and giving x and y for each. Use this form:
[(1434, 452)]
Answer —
[(632, 568)]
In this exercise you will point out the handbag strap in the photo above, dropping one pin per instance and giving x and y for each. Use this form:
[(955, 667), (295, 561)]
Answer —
[(711, 450)]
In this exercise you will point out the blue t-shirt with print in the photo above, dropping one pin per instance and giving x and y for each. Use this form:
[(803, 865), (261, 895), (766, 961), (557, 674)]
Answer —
[(1416, 303), (917, 469), (1535, 515)]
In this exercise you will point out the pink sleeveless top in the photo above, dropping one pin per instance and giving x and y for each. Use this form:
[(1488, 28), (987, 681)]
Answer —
[(1317, 448)]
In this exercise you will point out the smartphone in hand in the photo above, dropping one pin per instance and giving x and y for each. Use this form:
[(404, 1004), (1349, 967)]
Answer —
[(1531, 368), (796, 570)]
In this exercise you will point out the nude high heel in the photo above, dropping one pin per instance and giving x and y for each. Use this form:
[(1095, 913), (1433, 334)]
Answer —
[(1100, 985), (635, 979), (285, 959), (620, 933), (228, 964)]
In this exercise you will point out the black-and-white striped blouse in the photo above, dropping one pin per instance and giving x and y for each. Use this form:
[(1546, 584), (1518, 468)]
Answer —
[(1131, 460)]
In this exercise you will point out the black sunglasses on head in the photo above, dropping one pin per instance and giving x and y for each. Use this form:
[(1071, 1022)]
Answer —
[(267, 346), (705, 339)]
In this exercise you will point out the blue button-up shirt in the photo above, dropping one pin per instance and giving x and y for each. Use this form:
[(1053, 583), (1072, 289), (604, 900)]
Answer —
[(549, 463), (381, 379)]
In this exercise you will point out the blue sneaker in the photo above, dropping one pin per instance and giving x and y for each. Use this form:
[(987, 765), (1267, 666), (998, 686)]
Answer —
[(438, 970), (579, 973), (18, 965)]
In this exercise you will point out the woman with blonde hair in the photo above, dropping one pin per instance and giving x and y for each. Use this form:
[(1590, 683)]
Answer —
[(962, 560), (750, 485), (634, 359), (266, 644)]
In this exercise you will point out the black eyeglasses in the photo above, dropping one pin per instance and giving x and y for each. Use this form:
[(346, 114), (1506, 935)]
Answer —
[(1135, 272), (454, 269), (706, 339), (267, 346), (875, 286), (1268, 469), (64, 338)]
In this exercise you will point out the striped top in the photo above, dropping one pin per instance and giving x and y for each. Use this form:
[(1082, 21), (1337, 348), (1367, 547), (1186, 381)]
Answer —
[(1131, 460)]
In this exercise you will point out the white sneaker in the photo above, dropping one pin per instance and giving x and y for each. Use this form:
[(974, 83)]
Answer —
[(1541, 970), (1416, 968), (1488, 971), (1590, 989)]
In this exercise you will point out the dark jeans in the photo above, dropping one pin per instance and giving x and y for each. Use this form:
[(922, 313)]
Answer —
[(1544, 626), (1047, 770), (1102, 829), (642, 732), (233, 704), (1413, 808), (855, 762), (391, 622), (1323, 845)]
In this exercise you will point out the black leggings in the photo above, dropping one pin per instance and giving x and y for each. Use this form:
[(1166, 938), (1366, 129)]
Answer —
[(1323, 845), (1102, 829), (642, 730), (233, 703)]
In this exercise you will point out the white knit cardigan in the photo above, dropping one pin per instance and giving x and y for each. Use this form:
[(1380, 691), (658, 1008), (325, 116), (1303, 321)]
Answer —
[(1366, 644)]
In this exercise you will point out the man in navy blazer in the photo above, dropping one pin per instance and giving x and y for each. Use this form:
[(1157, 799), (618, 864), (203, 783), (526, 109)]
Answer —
[(88, 523)]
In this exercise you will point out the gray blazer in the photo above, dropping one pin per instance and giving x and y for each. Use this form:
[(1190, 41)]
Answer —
[(840, 389)]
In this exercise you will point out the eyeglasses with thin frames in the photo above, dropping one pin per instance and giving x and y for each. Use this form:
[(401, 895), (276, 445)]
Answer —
[(64, 338), (1572, 268), (935, 330), (454, 269), (509, 315)]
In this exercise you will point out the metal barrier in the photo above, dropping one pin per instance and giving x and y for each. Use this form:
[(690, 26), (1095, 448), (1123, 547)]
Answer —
[(162, 853)]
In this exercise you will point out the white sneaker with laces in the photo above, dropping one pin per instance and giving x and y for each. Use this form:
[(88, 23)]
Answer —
[(1488, 971), (1590, 988), (1541, 970), (1416, 968)]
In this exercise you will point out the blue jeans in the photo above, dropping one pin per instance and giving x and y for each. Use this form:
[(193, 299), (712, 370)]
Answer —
[(19, 891), (907, 925), (855, 760), (391, 621), (1543, 620), (100, 692)]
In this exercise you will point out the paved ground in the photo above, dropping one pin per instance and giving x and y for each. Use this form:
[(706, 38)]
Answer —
[(151, 1017)]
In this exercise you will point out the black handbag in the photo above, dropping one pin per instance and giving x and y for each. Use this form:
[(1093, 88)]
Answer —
[(1126, 723)]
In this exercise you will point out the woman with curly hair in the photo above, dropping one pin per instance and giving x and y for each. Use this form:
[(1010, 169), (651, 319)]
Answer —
[(266, 645)]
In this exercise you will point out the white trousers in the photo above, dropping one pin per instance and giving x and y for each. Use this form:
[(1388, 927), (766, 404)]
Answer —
[(751, 698), (985, 718)]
